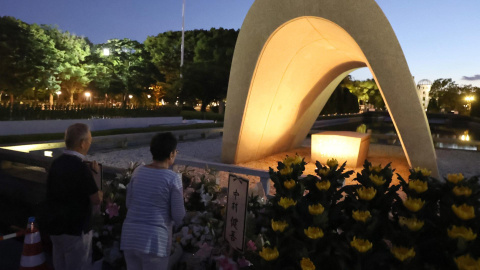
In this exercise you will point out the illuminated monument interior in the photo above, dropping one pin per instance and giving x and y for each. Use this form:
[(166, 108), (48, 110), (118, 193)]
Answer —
[(289, 57)]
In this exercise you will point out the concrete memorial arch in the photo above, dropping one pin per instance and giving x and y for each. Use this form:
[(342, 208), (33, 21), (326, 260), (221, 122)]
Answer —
[(289, 57)]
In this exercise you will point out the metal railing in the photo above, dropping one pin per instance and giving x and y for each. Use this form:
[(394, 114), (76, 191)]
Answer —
[(111, 172)]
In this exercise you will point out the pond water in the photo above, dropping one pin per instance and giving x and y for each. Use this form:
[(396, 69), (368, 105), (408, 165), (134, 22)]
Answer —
[(452, 135)]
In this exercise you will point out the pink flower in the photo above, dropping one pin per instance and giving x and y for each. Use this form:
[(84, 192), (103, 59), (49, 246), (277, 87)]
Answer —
[(242, 262), (112, 210), (251, 246), (225, 263), (204, 250)]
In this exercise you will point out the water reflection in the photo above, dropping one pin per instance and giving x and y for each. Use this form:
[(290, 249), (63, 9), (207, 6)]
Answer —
[(444, 136)]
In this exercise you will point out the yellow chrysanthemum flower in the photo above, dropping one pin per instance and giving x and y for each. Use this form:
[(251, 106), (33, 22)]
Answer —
[(377, 179), (332, 162), (366, 193), (361, 245), (413, 224), (414, 204), (465, 262), (402, 253), (376, 169), (323, 185), (316, 209), (279, 226), (464, 211), (289, 184), (424, 171), (462, 191), (418, 185), (313, 232), (461, 232), (307, 264), (269, 254), (286, 171), (454, 178), (288, 161), (286, 202), (297, 160), (362, 216), (323, 172)]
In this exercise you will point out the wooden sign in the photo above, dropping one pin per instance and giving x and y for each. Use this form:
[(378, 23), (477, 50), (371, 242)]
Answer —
[(236, 211)]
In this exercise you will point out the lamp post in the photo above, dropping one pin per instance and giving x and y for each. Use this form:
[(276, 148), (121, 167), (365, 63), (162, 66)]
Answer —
[(88, 96), (469, 100), (182, 48)]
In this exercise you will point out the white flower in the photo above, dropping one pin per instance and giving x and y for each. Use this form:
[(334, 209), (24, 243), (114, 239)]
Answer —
[(197, 230), (186, 236), (206, 198)]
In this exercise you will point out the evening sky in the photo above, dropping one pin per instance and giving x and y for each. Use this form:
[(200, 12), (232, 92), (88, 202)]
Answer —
[(440, 39)]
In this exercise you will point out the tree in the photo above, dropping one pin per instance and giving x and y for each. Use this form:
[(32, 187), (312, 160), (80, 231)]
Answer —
[(127, 69), (72, 69), (366, 91), (341, 100), (165, 49), (204, 81), (15, 52), (28, 58), (206, 52)]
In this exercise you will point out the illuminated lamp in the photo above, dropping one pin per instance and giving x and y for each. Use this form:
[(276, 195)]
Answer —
[(348, 146)]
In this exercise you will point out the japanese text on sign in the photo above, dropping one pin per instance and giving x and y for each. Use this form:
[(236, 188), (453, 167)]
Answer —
[(236, 211)]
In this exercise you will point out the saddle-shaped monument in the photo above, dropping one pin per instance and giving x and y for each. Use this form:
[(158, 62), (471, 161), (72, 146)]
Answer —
[(289, 57)]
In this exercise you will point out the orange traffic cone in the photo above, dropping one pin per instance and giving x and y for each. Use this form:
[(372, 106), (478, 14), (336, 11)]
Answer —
[(33, 257)]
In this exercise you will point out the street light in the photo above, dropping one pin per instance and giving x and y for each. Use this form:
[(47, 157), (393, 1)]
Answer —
[(130, 96), (87, 96), (58, 93), (469, 100)]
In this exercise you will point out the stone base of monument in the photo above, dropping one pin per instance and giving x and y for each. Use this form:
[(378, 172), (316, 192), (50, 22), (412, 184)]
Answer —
[(341, 145)]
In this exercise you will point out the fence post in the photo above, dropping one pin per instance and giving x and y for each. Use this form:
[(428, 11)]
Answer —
[(266, 184)]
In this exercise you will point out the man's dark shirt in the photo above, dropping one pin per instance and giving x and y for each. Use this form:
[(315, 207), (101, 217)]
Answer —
[(69, 185)]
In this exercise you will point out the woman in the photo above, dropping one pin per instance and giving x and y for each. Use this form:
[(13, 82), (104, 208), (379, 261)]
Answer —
[(154, 200)]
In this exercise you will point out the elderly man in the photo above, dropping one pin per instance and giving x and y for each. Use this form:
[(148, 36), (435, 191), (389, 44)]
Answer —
[(71, 194)]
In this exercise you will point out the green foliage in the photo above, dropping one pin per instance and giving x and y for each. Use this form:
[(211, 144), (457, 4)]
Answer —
[(71, 67), (366, 91), (207, 61), (446, 95), (28, 57), (126, 70)]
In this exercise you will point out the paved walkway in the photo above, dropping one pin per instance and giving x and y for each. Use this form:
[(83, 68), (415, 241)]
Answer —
[(449, 161)]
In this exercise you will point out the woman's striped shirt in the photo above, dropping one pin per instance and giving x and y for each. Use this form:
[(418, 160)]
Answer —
[(154, 200)]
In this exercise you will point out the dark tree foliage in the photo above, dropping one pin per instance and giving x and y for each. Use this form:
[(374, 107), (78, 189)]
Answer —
[(207, 61), (126, 70), (447, 96), (341, 101)]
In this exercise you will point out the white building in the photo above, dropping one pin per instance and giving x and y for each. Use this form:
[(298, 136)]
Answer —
[(423, 91)]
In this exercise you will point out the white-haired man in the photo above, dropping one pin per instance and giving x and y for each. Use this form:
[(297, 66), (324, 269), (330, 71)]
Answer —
[(71, 194)]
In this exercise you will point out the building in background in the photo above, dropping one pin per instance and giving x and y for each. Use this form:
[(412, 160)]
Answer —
[(423, 90)]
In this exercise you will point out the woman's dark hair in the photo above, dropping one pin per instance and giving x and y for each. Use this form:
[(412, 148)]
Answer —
[(162, 145)]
